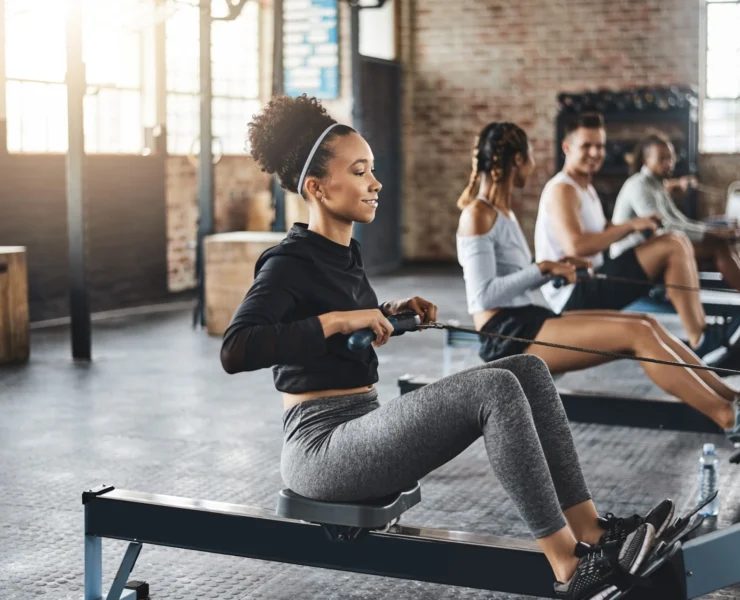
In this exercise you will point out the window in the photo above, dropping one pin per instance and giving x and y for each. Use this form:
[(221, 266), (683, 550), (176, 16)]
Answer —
[(235, 71), (36, 65), (378, 30), (721, 105)]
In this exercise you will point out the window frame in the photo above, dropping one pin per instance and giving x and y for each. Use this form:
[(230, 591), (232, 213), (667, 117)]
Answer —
[(705, 99), (174, 148), (139, 89)]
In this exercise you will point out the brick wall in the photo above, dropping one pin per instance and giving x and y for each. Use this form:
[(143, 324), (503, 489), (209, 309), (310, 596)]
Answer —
[(125, 229), (242, 200), (473, 61)]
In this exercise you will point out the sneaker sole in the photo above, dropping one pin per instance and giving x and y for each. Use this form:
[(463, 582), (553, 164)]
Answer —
[(605, 594), (647, 544), (733, 339), (667, 522), (714, 355)]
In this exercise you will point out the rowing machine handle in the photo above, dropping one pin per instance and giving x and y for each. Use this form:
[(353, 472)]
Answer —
[(560, 281), (405, 321), (648, 233)]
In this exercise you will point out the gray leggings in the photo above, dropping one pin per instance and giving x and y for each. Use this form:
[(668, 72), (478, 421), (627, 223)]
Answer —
[(353, 448)]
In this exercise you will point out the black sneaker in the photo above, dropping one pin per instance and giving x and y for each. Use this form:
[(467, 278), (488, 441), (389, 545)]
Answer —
[(714, 342), (733, 332), (618, 528), (598, 574)]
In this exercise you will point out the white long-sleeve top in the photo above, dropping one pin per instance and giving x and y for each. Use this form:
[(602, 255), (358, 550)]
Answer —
[(498, 268), (644, 194)]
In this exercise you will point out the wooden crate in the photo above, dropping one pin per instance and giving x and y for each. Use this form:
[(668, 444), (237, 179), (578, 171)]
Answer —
[(229, 271), (14, 335)]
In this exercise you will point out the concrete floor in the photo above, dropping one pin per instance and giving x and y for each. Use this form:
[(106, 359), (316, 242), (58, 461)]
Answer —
[(154, 412)]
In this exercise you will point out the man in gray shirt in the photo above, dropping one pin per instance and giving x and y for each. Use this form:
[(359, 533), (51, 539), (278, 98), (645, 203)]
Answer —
[(649, 191)]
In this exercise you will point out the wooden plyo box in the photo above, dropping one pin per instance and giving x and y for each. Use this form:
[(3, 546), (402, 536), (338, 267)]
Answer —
[(229, 271), (14, 334)]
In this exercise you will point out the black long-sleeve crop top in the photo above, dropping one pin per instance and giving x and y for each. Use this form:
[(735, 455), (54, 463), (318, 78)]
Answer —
[(277, 323)]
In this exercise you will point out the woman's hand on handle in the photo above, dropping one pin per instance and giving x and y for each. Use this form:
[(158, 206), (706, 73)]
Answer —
[(426, 310), (347, 322), (578, 263), (558, 269), (649, 223)]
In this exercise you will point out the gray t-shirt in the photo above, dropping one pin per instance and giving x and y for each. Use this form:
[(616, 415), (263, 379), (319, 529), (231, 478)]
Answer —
[(644, 194)]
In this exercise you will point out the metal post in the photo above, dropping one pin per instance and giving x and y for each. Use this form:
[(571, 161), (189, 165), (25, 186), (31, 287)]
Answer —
[(356, 75), (124, 570), (3, 111), (79, 303), (160, 79), (205, 170), (93, 565), (277, 50), (278, 73), (354, 7)]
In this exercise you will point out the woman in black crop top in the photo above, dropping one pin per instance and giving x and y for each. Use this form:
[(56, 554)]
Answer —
[(311, 292)]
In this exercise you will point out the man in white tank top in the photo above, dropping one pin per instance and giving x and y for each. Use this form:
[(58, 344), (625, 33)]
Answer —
[(571, 223)]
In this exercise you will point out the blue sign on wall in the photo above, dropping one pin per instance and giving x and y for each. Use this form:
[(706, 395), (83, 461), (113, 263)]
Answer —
[(311, 48)]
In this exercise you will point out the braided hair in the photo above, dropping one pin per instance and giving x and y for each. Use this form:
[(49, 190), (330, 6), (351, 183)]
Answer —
[(494, 152)]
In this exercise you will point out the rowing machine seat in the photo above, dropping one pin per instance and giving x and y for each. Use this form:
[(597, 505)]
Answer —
[(365, 515)]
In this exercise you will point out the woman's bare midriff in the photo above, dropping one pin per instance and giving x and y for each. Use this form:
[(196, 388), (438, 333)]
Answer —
[(482, 317), (290, 400)]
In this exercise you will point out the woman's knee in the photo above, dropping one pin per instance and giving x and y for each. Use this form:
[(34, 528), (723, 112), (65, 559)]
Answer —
[(525, 367), (524, 362), (652, 321), (494, 387), (644, 330), (678, 242), (534, 366)]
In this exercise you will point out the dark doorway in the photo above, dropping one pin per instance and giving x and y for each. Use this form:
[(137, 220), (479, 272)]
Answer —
[(381, 124)]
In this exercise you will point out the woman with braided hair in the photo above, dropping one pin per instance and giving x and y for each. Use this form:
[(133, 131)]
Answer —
[(310, 293), (502, 286)]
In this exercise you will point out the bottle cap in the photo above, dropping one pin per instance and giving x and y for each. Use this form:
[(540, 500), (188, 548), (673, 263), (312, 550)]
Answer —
[(708, 448)]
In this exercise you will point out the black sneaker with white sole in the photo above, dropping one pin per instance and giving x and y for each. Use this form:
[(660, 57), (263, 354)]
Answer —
[(616, 529), (599, 575), (713, 346)]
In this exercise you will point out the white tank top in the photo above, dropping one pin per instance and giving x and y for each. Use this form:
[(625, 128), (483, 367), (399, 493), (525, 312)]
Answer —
[(546, 244)]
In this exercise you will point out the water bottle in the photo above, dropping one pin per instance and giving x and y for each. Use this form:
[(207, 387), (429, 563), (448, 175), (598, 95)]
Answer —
[(708, 480)]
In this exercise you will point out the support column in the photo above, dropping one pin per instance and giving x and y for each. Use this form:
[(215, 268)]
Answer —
[(3, 108), (160, 78), (79, 302), (205, 171)]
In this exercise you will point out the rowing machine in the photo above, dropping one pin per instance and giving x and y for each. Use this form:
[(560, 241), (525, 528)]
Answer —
[(361, 538)]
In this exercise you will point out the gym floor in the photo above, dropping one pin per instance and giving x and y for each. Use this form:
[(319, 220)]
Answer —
[(154, 412)]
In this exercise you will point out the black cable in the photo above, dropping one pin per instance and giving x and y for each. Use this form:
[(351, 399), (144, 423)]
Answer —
[(674, 286), (582, 274), (618, 355)]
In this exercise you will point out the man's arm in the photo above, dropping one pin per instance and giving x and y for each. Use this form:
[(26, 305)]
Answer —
[(563, 205)]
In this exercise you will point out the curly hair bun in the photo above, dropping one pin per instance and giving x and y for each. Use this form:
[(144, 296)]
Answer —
[(282, 136)]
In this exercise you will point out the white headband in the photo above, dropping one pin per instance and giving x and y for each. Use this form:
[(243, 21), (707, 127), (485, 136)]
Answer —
[(310, 157)]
